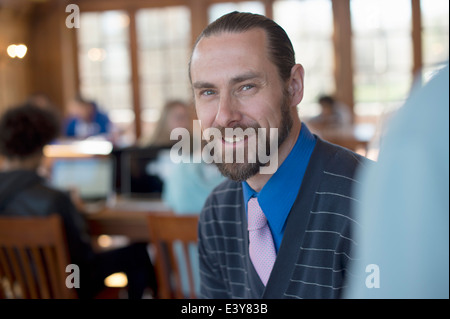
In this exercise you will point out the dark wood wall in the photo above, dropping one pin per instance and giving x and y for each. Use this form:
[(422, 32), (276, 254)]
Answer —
[(49, 64)]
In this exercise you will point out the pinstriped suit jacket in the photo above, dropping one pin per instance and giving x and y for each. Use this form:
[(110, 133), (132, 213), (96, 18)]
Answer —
[(317, 246)]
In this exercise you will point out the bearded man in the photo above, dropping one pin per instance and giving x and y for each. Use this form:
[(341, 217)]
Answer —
[(282, 233)]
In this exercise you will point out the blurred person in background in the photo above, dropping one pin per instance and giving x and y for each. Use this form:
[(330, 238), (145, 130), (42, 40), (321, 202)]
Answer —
[(334, 115), (334, 112), (175, 113), (185, 189), (42, 100), (86, 120), (189, 182), (403, 241), (188, 185), (24, 131)]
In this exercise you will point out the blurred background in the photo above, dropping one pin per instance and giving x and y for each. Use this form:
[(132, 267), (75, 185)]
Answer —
[(130, 56)]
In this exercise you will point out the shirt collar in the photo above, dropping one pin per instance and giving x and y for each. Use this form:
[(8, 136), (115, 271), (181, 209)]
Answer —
[(278, 195)]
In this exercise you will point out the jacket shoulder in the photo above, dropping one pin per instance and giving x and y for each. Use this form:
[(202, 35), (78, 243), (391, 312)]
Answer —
[(341, 160)]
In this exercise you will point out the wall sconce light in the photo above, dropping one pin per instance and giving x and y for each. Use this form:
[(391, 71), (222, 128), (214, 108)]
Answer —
[(17, 50)]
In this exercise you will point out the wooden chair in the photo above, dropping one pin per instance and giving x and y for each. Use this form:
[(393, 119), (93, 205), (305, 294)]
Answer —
[(33, 258), (165, 231)]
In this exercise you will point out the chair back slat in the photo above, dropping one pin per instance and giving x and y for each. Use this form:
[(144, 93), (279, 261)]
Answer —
[(189, 270), (17, 282), (41, 277), (175, 265), (6, 277), (29, 278), (168, 231)]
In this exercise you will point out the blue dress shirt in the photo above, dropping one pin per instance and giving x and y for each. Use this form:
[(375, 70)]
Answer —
[(278, 195)]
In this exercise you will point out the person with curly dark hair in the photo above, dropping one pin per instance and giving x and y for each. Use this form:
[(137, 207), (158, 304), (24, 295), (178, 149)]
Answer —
[(24, 131)]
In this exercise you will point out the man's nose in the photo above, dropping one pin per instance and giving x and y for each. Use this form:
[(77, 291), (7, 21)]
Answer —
[(228, 112)]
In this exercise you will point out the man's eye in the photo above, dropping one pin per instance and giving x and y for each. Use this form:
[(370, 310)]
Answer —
[(247, 87), (207, 92)]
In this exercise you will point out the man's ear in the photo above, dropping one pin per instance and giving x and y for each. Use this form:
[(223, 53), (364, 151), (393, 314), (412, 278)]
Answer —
[(296, 84)]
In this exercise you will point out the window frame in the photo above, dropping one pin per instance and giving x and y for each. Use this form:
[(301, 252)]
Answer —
[(342, 40)]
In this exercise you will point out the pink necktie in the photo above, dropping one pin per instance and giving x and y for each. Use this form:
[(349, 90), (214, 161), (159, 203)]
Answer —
[(262, 249)]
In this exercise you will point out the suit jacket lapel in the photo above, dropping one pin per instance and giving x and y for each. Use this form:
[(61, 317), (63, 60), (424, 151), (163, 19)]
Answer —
[(296, 224)]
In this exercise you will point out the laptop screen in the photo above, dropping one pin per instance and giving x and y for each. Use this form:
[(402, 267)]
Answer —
[(92, 177), (141, 172)]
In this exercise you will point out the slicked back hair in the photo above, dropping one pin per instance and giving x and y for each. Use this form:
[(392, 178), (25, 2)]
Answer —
[(279, 46)]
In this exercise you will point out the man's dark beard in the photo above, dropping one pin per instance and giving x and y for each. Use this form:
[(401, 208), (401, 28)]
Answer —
[(243, 171)]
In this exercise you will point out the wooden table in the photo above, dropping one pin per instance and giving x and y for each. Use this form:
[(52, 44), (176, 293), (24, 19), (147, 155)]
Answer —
[(125, 218)]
